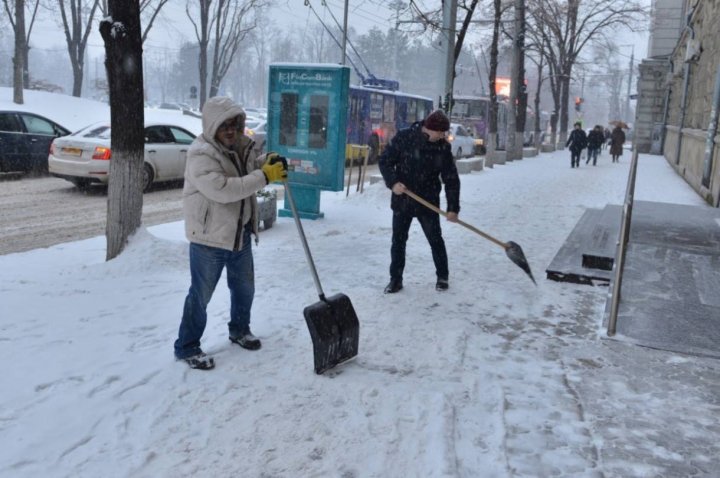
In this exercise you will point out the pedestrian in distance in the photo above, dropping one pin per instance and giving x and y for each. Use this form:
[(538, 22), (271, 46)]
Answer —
[(595, 140), (416, 159), (577, 141), (606, 143), (222, 174), (617, 139)]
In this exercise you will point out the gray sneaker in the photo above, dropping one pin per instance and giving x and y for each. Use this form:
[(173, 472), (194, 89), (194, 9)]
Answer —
[(200, 361), (247, 341)]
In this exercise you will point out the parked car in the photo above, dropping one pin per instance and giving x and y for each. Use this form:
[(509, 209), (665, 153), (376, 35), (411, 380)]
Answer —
[(170, 106), (25, 140), (255, 128), (256, 112), (83, 157), (461, 141)]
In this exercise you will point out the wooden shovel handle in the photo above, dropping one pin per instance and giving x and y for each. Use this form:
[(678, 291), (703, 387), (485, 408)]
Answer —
[(461, 222)]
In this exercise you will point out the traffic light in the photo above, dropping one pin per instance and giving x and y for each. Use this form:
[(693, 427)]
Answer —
[(578, 103)]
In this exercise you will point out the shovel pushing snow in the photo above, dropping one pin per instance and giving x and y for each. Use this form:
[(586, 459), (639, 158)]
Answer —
[(512, 249), (332, 321)]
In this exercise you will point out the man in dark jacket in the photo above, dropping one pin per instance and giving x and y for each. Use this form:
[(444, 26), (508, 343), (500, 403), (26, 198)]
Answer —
[(415, 159), (594, 141), (577, 142)]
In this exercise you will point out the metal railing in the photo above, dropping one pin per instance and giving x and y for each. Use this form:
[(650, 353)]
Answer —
[(622, 244)]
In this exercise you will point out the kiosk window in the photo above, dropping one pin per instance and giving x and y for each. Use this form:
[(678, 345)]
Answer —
[(288, 119), (319, 106)]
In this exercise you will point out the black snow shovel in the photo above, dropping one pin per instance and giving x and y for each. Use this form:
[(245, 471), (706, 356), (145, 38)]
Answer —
[(332, 321), (512, 249)]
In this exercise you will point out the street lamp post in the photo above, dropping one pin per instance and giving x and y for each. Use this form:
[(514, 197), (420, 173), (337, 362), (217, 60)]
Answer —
[(626, 109)]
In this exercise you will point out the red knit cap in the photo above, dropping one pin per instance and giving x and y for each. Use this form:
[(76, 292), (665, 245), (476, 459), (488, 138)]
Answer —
[(437, 121)]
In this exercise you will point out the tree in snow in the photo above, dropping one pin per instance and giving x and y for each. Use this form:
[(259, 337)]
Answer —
[(222, 28), (16, 16), (566, 28), (123, 62), (77, 18)]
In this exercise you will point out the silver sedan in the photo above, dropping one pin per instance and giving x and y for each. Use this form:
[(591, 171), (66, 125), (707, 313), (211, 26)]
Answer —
[(83, 158)]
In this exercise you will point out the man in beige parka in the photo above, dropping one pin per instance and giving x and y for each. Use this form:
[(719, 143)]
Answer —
[(222, 175)]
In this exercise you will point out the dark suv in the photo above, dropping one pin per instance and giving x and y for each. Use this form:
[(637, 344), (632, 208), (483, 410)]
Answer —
[(25, 141)]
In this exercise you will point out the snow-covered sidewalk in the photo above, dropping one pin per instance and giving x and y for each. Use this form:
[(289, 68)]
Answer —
[(494, 378)]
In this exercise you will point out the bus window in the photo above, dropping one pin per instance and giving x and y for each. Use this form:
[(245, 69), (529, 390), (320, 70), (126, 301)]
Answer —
[(319, 106), (412, 111), (389, 109), (422, 111), (288, 119), (376, 106)]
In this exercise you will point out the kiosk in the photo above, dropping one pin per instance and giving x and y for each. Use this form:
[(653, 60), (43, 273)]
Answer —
[(307, 119)]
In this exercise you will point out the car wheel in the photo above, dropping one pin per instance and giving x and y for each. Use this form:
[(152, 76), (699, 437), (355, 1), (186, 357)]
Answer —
[(81, 184), (147, 177)]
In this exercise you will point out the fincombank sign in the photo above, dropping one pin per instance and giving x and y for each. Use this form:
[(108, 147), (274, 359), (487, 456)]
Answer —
[(307, 119)]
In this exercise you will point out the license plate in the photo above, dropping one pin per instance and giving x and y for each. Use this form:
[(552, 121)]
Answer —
[(72, 151)]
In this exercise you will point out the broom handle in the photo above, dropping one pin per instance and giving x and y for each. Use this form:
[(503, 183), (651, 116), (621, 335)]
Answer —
[(461, 222), (308, 256)]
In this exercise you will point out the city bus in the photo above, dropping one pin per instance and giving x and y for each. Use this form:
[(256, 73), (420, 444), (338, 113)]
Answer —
[(377, 110), (473, 112)]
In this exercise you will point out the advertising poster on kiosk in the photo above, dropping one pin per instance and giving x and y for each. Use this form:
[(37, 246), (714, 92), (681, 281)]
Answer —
[(307, 119)]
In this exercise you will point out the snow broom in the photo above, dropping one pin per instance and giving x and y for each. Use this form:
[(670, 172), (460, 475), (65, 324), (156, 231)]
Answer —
[(332, 321), (512, 249)]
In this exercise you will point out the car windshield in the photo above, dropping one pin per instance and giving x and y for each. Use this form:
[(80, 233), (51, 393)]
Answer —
[(252, 124), (101, 131)]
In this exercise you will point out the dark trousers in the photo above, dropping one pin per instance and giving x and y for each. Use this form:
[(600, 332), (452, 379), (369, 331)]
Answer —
[(574, 159), (430, 224)]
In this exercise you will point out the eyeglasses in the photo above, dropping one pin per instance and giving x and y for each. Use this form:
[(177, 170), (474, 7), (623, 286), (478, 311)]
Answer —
[(231, 125)]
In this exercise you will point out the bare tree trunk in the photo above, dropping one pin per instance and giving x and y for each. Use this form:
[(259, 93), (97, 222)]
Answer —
[(536, 126), (203, 37), (121, 32), (491, 146), (76, 36), (564, 98), (19, 66)]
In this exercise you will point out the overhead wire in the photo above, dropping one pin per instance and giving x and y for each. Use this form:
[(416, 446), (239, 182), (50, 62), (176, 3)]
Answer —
[(307, 2), (367, 70)]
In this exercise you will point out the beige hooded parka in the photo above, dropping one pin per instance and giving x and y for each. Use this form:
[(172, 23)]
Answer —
[(220, 184)]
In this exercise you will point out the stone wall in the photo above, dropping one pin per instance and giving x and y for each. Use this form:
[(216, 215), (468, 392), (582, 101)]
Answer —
[(695, 63), (651, 99)]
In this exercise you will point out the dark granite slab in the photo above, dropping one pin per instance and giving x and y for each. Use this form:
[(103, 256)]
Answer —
[(670, 295), (588, 253)]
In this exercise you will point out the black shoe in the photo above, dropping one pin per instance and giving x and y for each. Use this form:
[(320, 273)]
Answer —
[(200, 361), (247, 341), (393, 286), (442, 284)]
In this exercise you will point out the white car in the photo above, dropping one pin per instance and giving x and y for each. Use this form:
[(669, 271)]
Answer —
[(255, 129), (83, 158), (461, 141)]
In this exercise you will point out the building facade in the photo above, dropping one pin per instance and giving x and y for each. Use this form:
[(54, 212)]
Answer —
[(679, 91)]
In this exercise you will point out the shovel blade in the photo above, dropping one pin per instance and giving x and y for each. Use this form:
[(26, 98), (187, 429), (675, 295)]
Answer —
[(516, 254), (334, 330)]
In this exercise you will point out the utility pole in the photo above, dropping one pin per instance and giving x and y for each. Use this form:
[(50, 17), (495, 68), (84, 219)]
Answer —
[(627, 98), (517, 77), (344, 42), (448, 32)]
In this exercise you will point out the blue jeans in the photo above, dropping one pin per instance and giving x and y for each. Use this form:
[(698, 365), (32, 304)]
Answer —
[(206, 266), (592, 154)]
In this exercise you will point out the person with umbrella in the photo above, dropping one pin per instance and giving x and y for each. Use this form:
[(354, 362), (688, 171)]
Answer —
[(617, 139)]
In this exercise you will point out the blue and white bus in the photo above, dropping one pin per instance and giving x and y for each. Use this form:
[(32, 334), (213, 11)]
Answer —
[(377, 110)]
